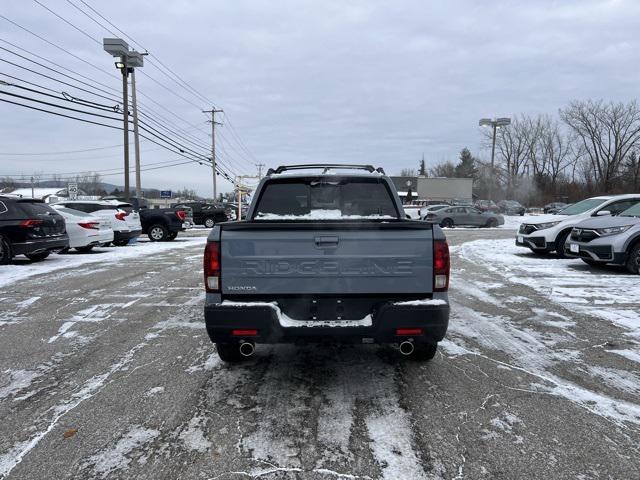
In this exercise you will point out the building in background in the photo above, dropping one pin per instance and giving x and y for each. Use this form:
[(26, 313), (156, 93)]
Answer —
[(438, 189)]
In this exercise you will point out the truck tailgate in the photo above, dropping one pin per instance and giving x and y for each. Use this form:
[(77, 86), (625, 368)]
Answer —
[(294, 259)]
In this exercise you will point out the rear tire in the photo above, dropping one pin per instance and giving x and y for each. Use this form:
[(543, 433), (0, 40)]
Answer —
[(633, 260), (446, 223), (5, 251), (172, 236), (492, 223), (37, 257), (209, 222), (120, 243), (560, 241), (229, 352), (423, 352), (157, 233), (85, 249)]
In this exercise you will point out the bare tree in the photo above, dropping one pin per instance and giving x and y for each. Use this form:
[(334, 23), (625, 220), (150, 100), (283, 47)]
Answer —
[(444, 169), (607, 132)]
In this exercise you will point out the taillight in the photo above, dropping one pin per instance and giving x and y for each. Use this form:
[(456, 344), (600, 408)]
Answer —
[(212, 267), (121, 215), (181, 215), (441, 266), (30, 223), (408, 332), (89, 225)]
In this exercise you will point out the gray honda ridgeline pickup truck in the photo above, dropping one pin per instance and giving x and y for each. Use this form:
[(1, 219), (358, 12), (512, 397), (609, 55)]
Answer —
[(326, 257)]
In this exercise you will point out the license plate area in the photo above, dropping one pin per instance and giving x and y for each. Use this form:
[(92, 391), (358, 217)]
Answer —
[(574, 248), (327, 308), (520, 239)]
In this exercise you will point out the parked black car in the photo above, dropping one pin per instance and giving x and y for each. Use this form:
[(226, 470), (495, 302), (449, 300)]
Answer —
[(511, 207), (206, 214), (31, 228)]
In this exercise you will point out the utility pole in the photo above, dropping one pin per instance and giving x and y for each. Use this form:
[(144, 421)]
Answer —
[(213, 122), (260, 167)]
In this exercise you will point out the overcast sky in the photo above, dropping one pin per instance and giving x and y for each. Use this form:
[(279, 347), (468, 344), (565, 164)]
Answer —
[(307, 81)]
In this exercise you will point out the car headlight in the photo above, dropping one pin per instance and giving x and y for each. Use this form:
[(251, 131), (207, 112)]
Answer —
[(543, 226), (612, 230)]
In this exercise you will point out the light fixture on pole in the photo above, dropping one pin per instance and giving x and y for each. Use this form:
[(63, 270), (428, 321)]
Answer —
[(495, 124), (128, 61)]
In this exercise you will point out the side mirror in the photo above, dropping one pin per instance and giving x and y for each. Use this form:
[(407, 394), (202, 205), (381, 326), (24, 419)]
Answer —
[(602, 213)]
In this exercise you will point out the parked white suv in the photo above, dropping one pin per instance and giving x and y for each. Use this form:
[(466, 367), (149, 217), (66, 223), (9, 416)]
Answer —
[(125, 223), (551, 234)]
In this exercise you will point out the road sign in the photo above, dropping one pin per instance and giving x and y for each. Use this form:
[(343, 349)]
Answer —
[(72, 189), (165, 193)]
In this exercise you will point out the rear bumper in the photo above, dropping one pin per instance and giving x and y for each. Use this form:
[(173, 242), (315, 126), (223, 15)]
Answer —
[(40, 245), (126, 235), (221, 320)]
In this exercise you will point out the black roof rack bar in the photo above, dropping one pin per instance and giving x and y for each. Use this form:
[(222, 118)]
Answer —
[(325, 166)]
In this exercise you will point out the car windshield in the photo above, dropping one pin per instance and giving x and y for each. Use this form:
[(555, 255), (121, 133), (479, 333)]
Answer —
[(583, 206), (631, 212)]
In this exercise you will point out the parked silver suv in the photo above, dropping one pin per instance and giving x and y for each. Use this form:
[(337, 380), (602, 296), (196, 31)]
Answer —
[(608, 240)]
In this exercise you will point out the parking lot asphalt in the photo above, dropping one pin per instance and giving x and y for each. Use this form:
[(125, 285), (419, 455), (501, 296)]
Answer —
[(106, 372)]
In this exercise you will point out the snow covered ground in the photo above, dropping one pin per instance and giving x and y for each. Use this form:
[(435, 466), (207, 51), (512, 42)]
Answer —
[(113, 376)]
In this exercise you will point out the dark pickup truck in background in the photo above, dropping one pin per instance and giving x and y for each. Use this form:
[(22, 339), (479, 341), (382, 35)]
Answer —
[(322, 257), (206, 214), (159, 224)]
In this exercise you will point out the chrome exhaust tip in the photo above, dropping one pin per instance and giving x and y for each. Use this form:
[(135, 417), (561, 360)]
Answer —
[(247, 349), (406, 348)]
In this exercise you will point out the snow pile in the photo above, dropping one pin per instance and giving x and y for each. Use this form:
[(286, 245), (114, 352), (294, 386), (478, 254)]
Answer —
[(321, 215)]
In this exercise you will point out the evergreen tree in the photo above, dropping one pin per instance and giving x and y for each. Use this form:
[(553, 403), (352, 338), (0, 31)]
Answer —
[(423, 168), (466, 167)]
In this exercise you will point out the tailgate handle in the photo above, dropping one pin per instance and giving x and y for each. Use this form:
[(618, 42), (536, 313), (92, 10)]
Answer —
[(327, 241)]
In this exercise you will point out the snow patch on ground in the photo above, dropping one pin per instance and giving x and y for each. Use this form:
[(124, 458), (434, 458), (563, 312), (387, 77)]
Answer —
[(10, 274), (154, 391), (193, 436), (568, 282), (17, 380), (118, 457)]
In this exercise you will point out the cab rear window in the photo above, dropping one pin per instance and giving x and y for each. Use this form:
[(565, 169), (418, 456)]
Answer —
[(325, 198)]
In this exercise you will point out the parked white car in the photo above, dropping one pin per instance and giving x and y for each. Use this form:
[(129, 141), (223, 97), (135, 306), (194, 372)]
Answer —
[(125, 224), (551, 233), (85, 230)]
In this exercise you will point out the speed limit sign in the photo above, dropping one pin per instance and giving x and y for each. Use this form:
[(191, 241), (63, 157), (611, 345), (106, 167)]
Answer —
[(72, 188)]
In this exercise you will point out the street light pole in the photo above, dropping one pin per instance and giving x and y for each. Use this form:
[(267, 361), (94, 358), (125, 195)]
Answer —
[(136, 138), (494, 124), (125, 126), (129, 60)]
